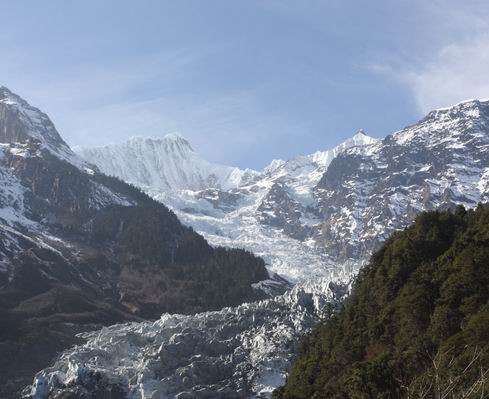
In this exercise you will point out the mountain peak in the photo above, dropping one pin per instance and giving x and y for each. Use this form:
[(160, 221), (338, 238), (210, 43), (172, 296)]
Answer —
[(165, 163), (8, 97), (174, 136), (171, 141), (472, 102), (360, 138), (4, 90)]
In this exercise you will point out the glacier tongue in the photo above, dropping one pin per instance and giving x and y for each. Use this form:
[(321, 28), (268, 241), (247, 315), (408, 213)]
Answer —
[(239, 352), (233, 207)]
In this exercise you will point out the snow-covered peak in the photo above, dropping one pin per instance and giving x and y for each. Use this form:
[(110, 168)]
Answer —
[(324, 158), (8, 97), (170, 143), (320, 159), (470, 103), (165, 164), (458, 125), (466, 109), (21, 123), (361, 138), (274, 165), (174, 136)]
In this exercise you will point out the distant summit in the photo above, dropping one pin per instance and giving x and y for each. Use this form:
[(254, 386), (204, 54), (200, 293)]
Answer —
[(166, 164)]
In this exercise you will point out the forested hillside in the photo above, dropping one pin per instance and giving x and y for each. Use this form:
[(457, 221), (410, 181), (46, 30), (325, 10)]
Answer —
[(416, 324)]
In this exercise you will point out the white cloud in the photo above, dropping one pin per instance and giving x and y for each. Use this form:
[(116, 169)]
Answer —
[(458, 72), (449, 62)]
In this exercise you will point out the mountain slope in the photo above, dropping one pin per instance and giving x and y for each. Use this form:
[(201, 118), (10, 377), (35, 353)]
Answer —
[(79, 249), (416, 322), (310, 219), (369, 192)]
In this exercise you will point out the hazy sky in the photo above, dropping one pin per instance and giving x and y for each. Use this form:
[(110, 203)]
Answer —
[(245, 81)]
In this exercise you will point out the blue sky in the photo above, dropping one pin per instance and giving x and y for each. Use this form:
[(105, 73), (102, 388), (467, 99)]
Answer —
[(244, 81)]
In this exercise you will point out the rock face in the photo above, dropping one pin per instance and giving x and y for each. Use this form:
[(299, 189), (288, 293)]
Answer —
[(79, 250), (21, 123), (369, 192)]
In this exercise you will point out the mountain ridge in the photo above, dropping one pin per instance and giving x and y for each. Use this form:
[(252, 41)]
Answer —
[(335, 207)]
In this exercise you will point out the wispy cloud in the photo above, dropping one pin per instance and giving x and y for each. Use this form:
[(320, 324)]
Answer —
[(457, 72), (223, 128), (453, 71)]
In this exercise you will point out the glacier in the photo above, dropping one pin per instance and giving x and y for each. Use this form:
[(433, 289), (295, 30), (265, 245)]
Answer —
[(225, 204)]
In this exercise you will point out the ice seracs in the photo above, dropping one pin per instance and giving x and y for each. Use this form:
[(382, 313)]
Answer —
[(242, 352)]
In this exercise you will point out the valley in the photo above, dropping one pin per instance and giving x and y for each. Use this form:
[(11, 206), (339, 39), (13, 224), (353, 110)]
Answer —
[(191, 266)]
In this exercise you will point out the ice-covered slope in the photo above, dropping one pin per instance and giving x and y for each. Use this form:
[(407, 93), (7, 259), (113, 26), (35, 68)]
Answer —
[(164, 164), (275, 216), (271, 213)]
